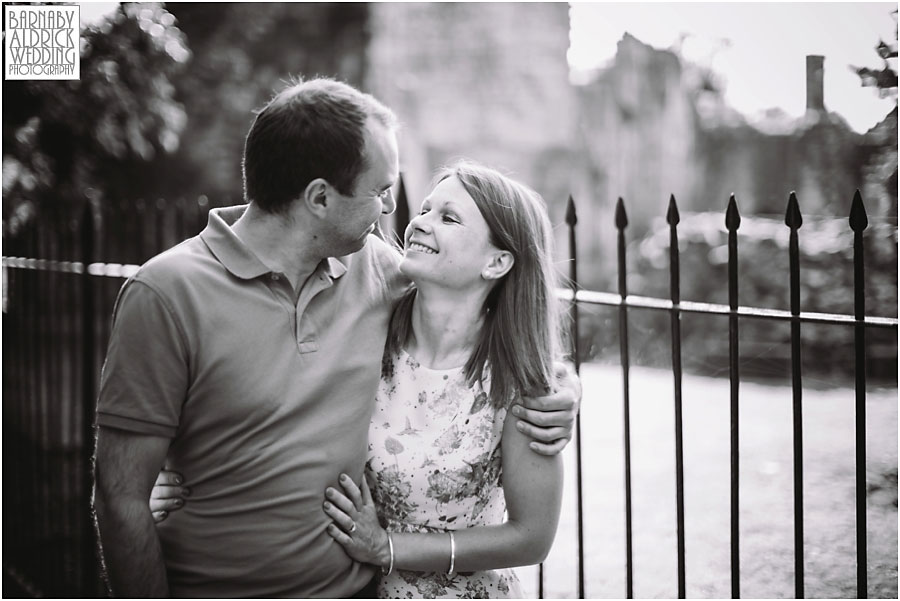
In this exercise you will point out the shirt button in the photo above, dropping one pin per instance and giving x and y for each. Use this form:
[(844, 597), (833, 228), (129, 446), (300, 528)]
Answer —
[(275, 277)]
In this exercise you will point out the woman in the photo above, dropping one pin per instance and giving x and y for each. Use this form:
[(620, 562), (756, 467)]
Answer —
[(477, 332)]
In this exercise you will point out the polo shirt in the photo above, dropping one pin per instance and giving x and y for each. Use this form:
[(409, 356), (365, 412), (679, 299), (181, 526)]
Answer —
[(265, 401)]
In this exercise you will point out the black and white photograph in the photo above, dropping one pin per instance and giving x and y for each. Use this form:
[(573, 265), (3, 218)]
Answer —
[(519, 300)]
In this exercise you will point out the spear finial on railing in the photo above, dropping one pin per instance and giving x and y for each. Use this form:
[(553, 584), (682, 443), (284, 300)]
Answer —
[(858, 222), (858, 218), (732, 223), (401, 219), (794, 220), (621, 217), (792, 217), (732, 216), (672, 216), (571, 217)]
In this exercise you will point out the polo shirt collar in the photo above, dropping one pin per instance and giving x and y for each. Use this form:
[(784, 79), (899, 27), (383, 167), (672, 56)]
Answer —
[(240, 260)]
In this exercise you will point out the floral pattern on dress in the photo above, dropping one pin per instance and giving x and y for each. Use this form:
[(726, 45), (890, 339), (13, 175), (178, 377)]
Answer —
[(434, 465)]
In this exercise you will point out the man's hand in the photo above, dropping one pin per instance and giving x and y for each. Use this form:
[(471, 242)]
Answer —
[(549, 420)]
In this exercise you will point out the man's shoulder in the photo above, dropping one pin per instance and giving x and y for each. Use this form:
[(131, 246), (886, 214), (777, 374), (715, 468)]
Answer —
[(383, 253), (184, 261)]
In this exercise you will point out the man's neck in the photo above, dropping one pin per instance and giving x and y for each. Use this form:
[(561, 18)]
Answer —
[(280, 244)]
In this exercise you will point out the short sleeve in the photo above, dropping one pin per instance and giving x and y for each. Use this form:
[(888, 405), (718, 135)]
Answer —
[(387, 261), (145, 377)]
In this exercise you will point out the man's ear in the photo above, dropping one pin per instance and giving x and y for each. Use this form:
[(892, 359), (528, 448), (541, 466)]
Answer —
[(500, 264), (316, 196)]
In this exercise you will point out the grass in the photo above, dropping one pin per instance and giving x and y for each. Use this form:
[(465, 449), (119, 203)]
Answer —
[(766, 491)]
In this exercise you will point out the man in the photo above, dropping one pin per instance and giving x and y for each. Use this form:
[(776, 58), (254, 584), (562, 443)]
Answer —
[(247, 359)]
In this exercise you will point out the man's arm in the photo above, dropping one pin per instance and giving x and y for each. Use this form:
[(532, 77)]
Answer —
[(127, 466), (549, 420)]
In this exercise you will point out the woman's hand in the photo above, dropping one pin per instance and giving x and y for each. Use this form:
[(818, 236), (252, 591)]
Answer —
[(355, 524), (167, 495)]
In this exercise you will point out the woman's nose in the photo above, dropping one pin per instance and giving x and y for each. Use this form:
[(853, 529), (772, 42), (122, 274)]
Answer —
[(419, 222)]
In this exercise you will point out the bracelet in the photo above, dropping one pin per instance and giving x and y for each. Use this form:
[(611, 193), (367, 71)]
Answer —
[(391, 565), (452, 554)]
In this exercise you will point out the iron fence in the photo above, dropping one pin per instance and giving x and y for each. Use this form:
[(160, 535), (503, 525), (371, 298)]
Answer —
[(56, 316)]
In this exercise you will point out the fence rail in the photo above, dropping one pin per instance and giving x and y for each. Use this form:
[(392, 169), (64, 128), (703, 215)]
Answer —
[(58, 301)]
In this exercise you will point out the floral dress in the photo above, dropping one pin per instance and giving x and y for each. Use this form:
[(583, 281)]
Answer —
[(434, 465)]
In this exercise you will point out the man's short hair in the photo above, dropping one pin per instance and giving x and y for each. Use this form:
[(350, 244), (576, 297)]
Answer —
[(311, 129)]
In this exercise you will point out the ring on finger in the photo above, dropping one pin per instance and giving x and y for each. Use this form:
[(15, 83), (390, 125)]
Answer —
[(352, 528)]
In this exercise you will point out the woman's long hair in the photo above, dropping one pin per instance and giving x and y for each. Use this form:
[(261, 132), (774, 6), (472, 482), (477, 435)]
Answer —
[(519, 338)]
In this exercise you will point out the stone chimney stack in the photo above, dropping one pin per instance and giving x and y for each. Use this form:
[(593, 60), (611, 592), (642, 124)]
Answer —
[(815, 83)]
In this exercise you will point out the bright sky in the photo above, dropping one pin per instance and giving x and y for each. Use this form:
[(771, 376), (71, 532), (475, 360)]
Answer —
[(759, 48)]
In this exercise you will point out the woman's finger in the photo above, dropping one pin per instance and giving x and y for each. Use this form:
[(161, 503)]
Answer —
[(169, 478), (366, 493), (159, 516), (166, 504), (352, 491), (340, 518), (338, 498), (338, 535), (169, 492)]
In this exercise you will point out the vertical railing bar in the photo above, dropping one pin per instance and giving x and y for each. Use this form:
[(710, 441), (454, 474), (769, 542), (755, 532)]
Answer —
[(180, 233), (160, 241), (32, 391), (200, 215), (621, 220), (76, 350), (858, 222), (88, 400), (794, 220), (572, 220), (45, 283), (66, 403), (732, 223), (672, 218)]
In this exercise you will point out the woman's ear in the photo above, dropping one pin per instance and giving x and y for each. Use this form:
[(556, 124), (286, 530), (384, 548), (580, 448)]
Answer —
[(500, 264), (315, 196)]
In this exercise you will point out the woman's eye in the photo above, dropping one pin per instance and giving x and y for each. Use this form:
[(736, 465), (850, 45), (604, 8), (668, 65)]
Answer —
[(450, 219)]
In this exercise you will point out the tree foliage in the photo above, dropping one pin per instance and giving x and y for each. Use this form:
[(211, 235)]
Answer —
[(65, 141)]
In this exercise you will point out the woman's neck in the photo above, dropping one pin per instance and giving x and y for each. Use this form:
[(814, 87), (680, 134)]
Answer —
[(445, 327)]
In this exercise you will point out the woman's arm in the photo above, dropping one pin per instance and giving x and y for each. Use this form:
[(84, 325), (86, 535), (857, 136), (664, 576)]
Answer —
[(532, 485)]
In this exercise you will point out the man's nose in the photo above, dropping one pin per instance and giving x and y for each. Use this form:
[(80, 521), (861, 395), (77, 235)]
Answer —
[(389, 205)]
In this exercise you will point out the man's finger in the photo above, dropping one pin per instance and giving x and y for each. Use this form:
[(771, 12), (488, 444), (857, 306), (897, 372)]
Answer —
[(561, 400), (544, 419), (545, 435), (549, 449)]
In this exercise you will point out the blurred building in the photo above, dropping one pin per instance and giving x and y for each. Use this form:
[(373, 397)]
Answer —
[(486, 81)]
